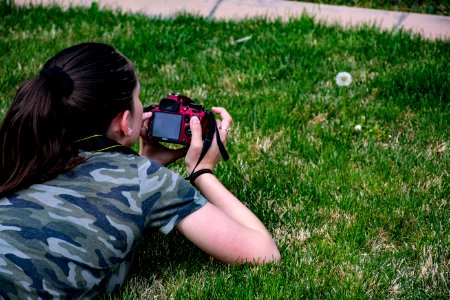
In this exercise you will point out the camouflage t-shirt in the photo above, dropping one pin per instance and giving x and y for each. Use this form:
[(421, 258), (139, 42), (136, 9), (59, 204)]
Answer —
[(73, 236)]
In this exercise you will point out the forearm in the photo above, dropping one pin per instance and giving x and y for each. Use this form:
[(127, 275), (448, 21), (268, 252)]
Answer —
[(214, 191)]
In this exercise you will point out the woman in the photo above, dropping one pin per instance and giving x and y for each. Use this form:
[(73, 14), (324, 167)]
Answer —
[(75, 199)]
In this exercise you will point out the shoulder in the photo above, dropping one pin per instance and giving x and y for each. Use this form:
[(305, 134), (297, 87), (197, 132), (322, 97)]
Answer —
[(117, 162), (115, 167)]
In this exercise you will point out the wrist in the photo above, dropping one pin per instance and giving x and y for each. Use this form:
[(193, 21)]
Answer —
[(199, 173), (204, 181), (193, 168)]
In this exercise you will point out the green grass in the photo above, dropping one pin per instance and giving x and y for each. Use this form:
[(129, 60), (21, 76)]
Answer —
[(355, 215), (435, 7)]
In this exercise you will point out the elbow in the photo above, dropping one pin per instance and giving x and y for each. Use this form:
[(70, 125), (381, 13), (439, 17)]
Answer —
[(276, 256), (270, 256), (272, 253), (269, 247), (264, 253)]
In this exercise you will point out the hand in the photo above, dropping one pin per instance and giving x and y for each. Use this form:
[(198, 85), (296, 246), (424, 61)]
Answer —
[(213, 155), (153, 149)]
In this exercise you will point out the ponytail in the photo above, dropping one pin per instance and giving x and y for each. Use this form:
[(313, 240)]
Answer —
[(77, 94), (32, 134)]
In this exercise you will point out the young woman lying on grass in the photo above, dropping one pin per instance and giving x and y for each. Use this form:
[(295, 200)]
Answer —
[(75, 199)]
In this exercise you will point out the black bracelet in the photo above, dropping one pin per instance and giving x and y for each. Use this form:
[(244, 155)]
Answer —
[(196, 174)]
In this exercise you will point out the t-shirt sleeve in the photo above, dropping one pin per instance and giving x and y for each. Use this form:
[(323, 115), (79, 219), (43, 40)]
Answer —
[(166, 197)]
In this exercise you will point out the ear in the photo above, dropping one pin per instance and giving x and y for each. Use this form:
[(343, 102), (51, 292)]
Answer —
[(119, 125), (124, 123)]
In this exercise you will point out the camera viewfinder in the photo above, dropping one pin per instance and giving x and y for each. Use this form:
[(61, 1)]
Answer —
[(169, 105)]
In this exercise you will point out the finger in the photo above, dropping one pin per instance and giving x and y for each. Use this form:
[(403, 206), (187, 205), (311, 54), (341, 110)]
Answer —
[(147, 115), (223, 125), (222, 133), (196, 130), (224, 115)]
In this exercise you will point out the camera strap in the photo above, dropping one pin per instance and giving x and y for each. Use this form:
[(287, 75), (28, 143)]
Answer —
[(209, 139), (101, 143)]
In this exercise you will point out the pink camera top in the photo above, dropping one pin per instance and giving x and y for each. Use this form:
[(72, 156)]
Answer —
[(171, 119)]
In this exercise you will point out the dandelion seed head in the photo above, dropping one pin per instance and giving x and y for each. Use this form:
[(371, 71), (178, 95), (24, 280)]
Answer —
[(343, 79), (358, 128)]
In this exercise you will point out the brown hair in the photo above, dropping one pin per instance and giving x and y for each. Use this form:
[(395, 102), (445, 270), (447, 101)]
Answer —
[(77, 94)]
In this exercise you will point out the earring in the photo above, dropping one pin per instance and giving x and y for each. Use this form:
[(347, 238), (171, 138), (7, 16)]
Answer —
[(130, 131)]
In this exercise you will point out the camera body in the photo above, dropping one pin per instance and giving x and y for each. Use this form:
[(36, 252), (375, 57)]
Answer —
[(171, 119)]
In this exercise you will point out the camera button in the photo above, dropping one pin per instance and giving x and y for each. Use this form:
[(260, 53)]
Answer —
[(186, 118), (188, 132)]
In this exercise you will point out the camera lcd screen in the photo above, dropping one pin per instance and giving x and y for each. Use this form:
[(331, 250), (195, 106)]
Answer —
[(166, 126)]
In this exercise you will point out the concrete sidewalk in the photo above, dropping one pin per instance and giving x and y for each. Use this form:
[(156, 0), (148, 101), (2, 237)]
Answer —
[(429, 26)]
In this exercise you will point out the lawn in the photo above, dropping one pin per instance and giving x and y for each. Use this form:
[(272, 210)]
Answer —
[(356, 213), (435, 7)]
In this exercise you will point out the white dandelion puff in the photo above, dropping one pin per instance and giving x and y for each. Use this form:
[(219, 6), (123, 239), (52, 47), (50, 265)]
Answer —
[(358, 128), (343, 79)]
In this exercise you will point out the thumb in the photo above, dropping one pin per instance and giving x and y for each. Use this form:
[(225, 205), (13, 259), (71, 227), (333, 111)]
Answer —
[(147, 115), (196, 130)]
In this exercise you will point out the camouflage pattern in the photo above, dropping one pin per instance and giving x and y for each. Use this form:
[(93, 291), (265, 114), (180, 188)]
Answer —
[(73, 236)]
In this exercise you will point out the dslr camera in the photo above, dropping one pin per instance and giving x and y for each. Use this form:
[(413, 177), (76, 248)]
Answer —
[(171, 119)]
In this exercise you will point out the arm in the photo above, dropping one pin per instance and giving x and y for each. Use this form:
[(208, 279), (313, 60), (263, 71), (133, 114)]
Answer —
[(224, 228)]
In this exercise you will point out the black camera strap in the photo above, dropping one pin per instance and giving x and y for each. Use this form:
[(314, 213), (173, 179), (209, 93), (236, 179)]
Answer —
[(209, 139)]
